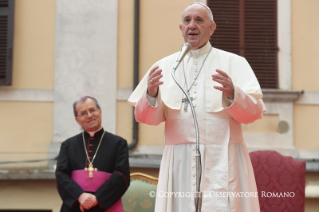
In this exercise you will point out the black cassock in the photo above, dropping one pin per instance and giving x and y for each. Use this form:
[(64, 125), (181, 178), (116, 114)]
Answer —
[(112, 157)]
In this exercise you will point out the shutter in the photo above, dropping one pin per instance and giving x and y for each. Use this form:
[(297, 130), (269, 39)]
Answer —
[(227, 17), (261, 40), (6, 41), (249, 28)]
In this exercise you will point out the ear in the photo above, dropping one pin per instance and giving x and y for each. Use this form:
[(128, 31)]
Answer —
[(77, 120), (180, 27), (212, 29)]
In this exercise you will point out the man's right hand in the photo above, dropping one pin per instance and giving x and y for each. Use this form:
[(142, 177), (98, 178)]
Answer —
[(87, 201), (153, 81)]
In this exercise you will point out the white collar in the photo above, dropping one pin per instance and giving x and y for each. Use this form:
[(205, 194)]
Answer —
[(92, 133), (204, 50)]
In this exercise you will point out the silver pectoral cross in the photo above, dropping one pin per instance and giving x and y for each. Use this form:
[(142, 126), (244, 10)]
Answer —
[(186, 102), (90, 169)]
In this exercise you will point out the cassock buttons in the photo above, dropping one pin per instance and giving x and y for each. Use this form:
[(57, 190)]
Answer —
[(92, 138), (91, 145), (90, 151)]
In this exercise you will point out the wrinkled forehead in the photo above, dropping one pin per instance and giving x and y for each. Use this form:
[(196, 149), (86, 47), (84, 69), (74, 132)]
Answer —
[(195, 9), (86, 104)]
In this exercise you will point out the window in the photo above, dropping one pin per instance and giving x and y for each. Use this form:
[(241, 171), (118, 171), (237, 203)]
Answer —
[(249, 28), (6, 41)]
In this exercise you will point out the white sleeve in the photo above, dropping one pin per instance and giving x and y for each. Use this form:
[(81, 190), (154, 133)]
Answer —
[(246, 108), (146, 113)]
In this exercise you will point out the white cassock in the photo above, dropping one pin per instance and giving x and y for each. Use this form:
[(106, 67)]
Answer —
[(226, 166)]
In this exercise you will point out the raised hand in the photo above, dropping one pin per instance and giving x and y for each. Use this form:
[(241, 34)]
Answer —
[(153, 81), (226, 82)]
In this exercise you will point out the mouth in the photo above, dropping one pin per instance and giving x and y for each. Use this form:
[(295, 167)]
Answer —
[(192, 34), (90, 121)]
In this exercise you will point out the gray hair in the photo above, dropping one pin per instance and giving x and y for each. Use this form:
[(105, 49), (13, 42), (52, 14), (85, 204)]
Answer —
[(83, 99), (209, 12)]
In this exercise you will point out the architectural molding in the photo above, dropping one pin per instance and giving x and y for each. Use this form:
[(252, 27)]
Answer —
[(46, 95), (275, 95), (26, 95), (308, 98)]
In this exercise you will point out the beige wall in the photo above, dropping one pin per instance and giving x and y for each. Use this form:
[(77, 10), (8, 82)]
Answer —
[(28, 125), (159, 36), (29, 195), (305, 69), (125, 49), (305, 45), (125, 44), (306, 129), (33, 53), (28, 132), (267, 124)]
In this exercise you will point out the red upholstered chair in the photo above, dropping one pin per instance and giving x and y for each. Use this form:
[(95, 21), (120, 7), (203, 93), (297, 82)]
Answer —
[(280, 182)]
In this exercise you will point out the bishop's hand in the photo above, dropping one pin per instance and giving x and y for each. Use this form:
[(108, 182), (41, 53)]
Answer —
[(153, 81), (87, 201), (226, 82)]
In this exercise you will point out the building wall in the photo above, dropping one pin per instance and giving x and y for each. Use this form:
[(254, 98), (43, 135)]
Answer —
[(29, 195), (305, 75), (26, 122), (33, 53), (305, 70)]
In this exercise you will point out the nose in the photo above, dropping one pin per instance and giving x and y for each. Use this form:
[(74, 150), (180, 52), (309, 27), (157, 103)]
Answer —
[(192, 24), (89, 114)]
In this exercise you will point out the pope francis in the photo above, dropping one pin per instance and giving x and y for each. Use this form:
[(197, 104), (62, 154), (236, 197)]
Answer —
[(225, 93)]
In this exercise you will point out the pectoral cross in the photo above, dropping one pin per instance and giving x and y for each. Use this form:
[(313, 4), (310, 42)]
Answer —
[(90, 169), (186, 102)]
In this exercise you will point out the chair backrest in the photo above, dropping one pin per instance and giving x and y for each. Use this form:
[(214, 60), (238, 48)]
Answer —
[(280, 181), (138, 197)]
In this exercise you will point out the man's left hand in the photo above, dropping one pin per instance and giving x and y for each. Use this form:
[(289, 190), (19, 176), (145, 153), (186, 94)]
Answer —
[(87, 201), (226, 82)]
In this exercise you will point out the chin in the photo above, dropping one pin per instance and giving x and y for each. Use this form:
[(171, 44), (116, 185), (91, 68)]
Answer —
[(193, 44), (92, 128)]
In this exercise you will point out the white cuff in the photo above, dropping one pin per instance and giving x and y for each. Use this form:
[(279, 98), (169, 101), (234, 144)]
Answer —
[(152, 101)]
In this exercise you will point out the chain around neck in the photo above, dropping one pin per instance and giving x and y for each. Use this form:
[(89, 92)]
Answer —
[(86, 152), (196, 75)]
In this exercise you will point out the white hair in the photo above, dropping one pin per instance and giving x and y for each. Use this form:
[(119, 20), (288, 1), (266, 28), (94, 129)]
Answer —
[(209, 12)]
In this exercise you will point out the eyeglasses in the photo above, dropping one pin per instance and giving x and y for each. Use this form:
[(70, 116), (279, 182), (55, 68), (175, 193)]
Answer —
[(92, 111)]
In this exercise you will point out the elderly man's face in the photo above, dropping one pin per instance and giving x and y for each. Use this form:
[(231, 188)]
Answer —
[(195, 26), (88, 115)]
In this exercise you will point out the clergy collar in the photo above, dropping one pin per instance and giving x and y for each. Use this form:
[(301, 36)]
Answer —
[(204, 50), (97, 133)]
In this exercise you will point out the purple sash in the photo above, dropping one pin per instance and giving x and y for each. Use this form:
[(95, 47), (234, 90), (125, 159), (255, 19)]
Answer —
[(81, 177)]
